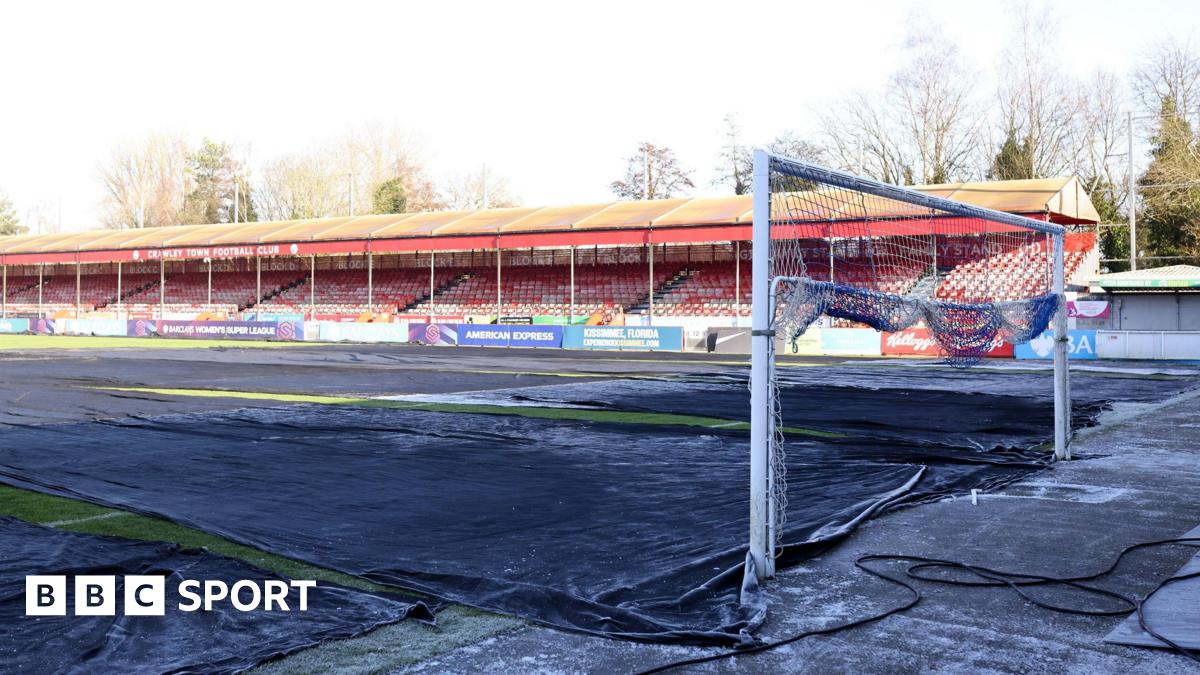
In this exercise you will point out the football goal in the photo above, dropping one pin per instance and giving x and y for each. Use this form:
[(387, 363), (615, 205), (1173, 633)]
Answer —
[(860, 252)]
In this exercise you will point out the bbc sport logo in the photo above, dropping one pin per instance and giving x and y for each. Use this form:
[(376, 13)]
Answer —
[(146, 595)]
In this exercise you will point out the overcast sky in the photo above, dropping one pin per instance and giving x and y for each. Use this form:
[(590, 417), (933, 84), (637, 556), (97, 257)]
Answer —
[(552, 95)]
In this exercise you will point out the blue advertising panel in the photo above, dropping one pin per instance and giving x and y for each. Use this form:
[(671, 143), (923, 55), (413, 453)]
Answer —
[(483, 335), (623, 337), (1081, 344), (850, 341), (14, 325), (505, 335), (536, 336)]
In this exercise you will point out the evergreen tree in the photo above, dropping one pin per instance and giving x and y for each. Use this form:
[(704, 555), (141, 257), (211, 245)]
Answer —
[(1014, 160), (1170, 215), (9, 223), (214, 173), (389, 197)]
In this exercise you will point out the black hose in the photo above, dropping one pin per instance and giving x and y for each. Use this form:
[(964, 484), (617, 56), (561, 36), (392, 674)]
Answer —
[(984, 577)]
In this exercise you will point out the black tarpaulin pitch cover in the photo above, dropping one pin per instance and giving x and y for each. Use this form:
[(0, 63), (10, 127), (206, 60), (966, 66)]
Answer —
[(624, 530), (224, 640), (967, 421)]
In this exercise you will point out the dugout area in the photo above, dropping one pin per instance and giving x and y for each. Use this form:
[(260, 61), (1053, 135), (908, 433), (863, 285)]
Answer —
[(597, 494)]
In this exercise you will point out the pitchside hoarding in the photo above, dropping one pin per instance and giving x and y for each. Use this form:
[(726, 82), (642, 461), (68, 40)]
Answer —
[(14, 325), (1081, 344), (667, 338), (229, 330), (333, 331), (920, 342), (433, 333), (486, 335), (850, 342), (1087, 309), (99, 327)]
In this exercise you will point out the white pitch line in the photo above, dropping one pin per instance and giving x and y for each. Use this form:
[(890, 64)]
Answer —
[(76, 521)]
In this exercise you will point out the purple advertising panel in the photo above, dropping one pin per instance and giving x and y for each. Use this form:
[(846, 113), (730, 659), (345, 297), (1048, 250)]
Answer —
[(141, 328), (43, 326), (433, 333), (224, 330)]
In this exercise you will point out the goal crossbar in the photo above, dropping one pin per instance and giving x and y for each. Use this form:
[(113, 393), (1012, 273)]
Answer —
[(766, 517)]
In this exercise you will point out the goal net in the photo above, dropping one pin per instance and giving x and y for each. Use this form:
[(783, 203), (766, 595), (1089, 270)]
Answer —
[(864, 253)]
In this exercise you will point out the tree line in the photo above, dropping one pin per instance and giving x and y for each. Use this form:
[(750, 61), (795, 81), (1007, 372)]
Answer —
[(160, 180), (933, 122)]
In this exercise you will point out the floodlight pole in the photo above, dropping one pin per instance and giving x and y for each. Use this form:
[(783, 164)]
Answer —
[(571, 320), (370, 280), (1062, 401), (761, 342), (41, 274), (120, 300), (1132, 197), (78, 294), (431, 286)]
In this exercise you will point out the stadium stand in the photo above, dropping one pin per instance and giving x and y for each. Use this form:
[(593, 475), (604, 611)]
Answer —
[(546, 289), (696, 273), (706, 288), (345, 291), (1007, 275)]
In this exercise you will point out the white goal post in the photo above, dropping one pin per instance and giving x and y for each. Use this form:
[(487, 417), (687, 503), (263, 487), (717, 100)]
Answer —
[(827, 242)]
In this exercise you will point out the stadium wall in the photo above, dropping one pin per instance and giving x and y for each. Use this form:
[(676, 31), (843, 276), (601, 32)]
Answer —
[(1085, 343)]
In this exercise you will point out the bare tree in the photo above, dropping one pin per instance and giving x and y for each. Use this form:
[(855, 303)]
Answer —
[(378, 152), (923, 128), (302, 185), (1038, 103), (342, 176), (477, 190), (653, 173), (1099, 155), (933, 97), (1169, 70), (735, 163), (859, 135), (790, 144), (145, 178)]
